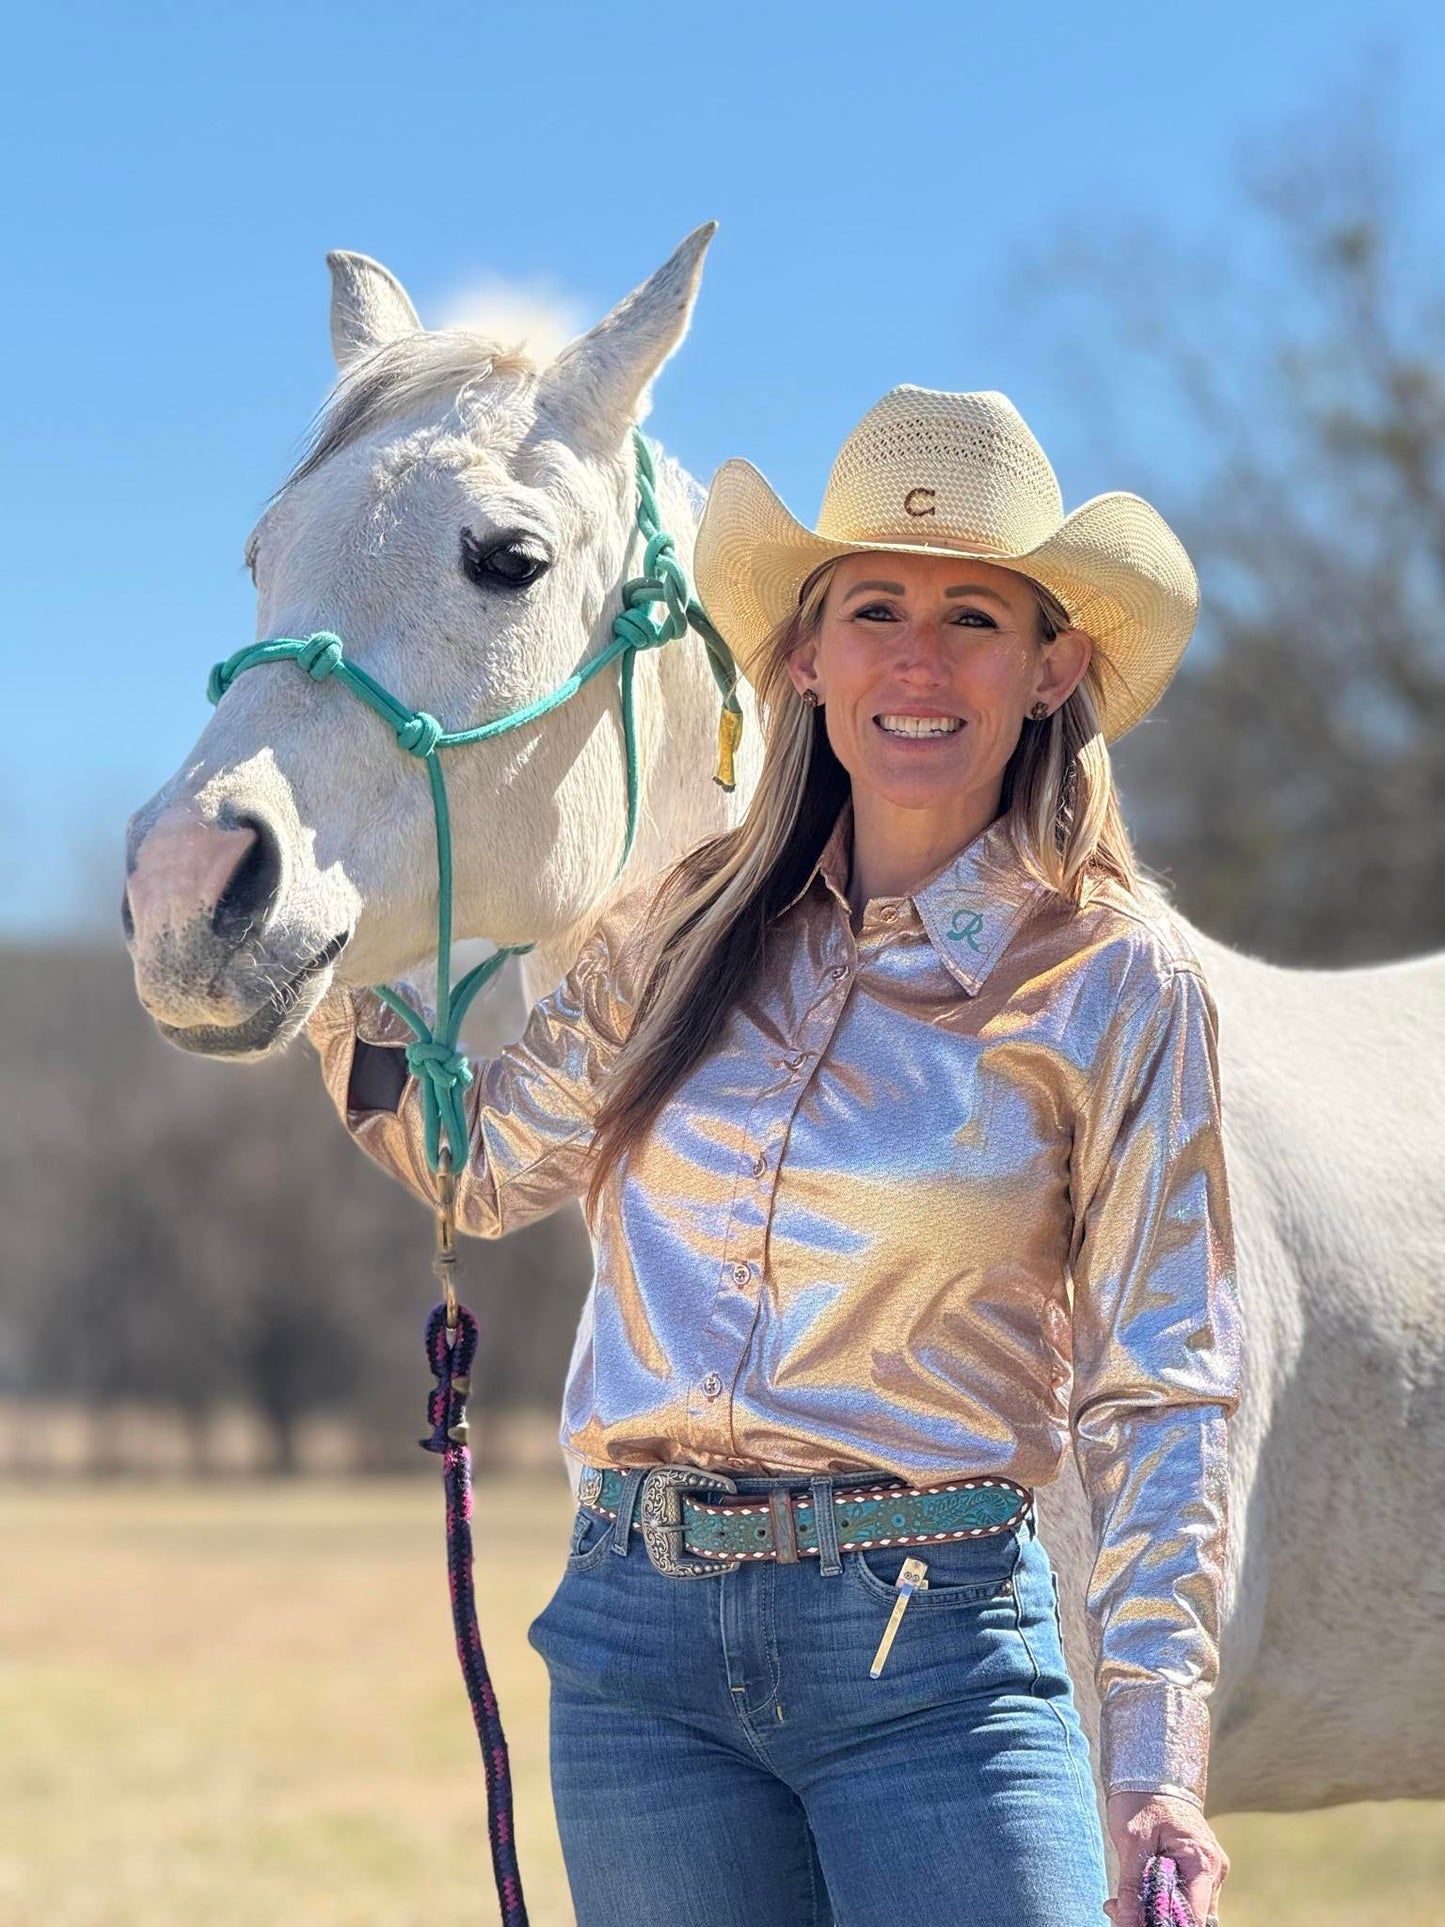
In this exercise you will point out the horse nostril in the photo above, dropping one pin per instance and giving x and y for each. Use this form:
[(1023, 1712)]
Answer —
[(254, 886)]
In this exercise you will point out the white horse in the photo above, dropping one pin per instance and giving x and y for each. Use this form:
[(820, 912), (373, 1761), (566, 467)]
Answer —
[(465, 521)]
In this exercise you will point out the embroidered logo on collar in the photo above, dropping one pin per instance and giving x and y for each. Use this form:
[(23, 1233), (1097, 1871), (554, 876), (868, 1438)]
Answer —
[(965, 926)]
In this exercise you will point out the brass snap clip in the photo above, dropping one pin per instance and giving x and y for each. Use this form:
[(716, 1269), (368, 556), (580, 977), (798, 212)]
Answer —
[(444, 1262)]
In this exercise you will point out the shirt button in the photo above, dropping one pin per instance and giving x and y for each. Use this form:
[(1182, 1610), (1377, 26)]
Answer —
[(712, 1385), (741, 1274), (887, 915), (838, 972), (795, 1060), (760, 1164)]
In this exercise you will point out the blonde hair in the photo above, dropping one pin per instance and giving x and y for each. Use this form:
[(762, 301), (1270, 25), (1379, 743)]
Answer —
[(713, 908)]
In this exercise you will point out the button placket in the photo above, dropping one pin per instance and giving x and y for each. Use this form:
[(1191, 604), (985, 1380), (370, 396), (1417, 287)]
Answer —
[(738, 1302)]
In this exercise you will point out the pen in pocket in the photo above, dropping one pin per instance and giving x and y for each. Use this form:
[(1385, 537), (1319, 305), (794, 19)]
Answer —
[(910, 1580)]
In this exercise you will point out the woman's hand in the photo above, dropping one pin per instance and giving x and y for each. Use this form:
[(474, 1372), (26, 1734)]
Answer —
[(1141, 1824)]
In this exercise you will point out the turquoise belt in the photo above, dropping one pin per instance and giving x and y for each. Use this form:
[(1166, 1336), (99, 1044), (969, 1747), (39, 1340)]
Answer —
[(781, 1524)]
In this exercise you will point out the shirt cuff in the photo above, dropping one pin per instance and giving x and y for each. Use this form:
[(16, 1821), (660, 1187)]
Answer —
[(1154, 1738), (347, 1018)]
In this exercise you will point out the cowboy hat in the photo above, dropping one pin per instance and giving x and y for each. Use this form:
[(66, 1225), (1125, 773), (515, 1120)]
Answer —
[(931, 473)]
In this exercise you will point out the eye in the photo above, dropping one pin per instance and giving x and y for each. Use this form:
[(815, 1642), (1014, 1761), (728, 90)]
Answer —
[(981, 615), (503, 562), (871, 609), (249, 560)]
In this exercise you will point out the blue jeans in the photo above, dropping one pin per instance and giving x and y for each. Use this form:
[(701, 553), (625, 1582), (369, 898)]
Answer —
[(721, 1758)]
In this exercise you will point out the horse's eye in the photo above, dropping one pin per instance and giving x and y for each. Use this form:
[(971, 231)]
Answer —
[(506, 564)]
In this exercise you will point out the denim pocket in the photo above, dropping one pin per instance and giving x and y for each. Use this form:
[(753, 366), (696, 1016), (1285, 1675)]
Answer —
[(591, 1535), (959, 1570)]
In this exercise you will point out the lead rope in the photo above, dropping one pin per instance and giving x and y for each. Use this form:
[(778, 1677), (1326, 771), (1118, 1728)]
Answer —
[(444, 1074), (451, 1347), (1161, 1896)]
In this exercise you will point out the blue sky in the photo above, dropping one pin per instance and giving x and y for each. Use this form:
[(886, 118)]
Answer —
[(177, 173)]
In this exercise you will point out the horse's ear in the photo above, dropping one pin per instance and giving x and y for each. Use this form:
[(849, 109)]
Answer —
[(600, 382), (369, 306)]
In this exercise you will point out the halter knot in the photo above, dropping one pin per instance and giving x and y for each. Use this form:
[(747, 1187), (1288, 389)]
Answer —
[(663, 579), (420, 733), (639, 628), (320, 655), (439, 1065), (218, 682)]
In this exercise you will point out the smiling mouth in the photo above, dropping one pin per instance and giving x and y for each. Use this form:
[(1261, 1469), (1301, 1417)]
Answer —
[(916, 728)]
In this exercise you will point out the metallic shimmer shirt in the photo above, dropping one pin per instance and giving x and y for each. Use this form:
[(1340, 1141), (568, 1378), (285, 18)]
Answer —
[(944, 1192)]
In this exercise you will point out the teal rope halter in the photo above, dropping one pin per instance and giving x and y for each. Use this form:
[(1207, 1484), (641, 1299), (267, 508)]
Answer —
[(433, 1056)]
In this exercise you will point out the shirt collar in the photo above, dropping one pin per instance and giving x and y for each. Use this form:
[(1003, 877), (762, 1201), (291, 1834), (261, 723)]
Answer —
[(970, 906)]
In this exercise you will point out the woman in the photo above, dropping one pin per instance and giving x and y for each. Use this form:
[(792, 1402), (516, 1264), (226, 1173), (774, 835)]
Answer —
[(896, 1112)]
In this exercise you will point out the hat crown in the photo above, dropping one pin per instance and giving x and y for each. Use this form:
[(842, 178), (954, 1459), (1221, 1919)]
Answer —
[(948, 470)]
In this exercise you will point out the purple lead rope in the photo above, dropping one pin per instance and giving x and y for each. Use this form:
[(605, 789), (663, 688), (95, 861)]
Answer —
[(1161, 1896), (450, 1358)]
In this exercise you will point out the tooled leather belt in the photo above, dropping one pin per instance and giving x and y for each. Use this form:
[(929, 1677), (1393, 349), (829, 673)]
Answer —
[(781, 1524)]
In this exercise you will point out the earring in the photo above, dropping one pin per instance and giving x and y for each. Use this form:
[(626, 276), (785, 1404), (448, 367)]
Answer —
[(1040, 710), (810, 697)]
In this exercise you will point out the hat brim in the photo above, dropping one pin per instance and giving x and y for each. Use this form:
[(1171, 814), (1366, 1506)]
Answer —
[(1115, 564)]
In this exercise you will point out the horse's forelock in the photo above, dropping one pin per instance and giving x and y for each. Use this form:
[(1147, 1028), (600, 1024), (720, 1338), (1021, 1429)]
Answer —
[(453, 367)]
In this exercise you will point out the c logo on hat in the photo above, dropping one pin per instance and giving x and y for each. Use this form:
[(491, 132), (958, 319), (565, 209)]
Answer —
[(920, 501)]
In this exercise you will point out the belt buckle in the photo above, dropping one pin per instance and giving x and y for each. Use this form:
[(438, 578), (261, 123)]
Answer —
[(660, 1508)]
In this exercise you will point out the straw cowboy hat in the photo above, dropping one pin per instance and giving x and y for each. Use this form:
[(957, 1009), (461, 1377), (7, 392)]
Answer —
[(931, 473)]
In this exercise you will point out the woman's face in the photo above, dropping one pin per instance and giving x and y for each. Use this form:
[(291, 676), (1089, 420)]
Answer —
[(928, 666)]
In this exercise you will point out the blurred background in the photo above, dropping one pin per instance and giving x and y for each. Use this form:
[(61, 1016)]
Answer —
[(1198, 249)]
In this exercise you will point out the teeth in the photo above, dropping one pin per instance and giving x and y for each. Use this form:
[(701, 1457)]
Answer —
[(920, 725)]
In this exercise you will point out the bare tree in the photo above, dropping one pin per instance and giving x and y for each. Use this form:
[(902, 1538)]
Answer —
[(1292, 396), (185, 1233)]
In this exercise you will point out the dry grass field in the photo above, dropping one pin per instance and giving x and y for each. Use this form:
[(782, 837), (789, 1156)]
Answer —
[(240, 1706)]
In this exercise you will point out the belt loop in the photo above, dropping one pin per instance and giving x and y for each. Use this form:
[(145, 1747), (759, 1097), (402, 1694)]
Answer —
[(626, 1504), (825, 1524)]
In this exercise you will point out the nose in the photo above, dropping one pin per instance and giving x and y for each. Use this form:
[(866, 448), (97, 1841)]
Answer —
[(922, 649), (186, 869)]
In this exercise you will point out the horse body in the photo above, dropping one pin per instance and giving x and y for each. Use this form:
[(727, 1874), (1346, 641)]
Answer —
[(295, 845)]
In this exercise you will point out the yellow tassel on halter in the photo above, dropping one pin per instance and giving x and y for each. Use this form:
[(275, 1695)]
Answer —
[(729, 735)]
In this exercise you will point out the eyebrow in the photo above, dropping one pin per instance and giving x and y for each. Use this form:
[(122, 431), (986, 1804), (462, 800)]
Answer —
[(890, 588), (977, 588), (897, 588)]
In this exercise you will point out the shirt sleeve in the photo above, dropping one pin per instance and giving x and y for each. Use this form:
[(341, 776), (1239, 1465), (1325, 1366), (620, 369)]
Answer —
[(529, 1110), (1156, 1359)]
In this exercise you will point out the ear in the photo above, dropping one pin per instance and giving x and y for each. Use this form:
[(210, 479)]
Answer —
[(369, 306), (600, 382), (1065, 660), (802, 667)]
